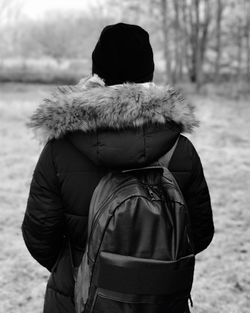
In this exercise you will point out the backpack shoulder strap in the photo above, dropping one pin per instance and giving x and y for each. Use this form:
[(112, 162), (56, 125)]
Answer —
[(166, 158)]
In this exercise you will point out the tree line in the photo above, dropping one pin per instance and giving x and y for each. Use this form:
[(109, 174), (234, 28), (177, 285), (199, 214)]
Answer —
[(198, 40)]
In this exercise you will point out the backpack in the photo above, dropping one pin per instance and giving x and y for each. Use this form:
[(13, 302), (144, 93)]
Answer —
[(139, 255)]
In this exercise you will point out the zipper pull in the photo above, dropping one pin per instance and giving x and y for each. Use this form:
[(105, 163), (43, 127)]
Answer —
[(150, 192)]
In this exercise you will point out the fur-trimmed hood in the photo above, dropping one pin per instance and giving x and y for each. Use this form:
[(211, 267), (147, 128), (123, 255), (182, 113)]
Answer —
[(121, 125), (90, 106)]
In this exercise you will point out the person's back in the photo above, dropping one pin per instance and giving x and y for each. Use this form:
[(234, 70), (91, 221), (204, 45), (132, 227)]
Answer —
[(114, 120)]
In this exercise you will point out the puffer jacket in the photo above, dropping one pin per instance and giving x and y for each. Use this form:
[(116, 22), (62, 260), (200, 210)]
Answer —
[(89, 130)]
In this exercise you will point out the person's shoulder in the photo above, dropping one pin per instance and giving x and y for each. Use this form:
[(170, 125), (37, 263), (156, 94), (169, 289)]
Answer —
[(187, 148), (186, 143), (57, 145)]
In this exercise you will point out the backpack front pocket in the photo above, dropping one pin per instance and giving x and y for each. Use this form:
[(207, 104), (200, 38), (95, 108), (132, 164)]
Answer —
[(140, 276)]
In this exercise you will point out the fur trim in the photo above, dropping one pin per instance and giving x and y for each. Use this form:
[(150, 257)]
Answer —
[(91, 105)]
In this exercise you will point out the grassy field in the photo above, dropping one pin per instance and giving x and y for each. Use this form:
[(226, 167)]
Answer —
[(222, 277)]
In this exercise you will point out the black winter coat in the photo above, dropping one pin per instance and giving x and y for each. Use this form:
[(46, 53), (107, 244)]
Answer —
[(91, 129)]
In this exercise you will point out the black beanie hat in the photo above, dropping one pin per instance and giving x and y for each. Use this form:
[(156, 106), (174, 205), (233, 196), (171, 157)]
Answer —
[(123, 54)]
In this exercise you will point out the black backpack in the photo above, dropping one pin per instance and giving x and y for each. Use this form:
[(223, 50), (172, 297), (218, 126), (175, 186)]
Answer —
[(139, 256)]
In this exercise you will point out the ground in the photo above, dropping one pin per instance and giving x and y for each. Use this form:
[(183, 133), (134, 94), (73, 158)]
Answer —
[(222, 275)]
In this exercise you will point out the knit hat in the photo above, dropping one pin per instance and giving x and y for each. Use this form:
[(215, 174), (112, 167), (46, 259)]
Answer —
[(123, 54)]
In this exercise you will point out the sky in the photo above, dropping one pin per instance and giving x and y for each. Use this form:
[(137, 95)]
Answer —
[(37, 8)]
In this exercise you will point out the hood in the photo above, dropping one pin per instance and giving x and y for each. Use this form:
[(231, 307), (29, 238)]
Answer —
[(109, 122)]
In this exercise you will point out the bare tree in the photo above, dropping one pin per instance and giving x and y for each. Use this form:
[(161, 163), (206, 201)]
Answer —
[(204, 29), (177, 43), (247, 12), (219, 13), (198, 38), (239, 27), (194, 16), (166, 40), (186, 33)]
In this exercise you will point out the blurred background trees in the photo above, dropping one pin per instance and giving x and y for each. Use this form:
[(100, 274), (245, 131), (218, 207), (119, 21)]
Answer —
[(193, 40)]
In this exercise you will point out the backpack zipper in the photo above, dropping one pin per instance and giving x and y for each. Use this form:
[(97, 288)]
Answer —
[(153, 193), (150, 192)]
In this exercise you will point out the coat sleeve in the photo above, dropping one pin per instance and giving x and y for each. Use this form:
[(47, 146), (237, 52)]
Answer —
[(199, 205), (43, 222)]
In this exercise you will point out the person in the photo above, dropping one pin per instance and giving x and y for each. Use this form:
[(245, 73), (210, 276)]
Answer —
[(115, 119)]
